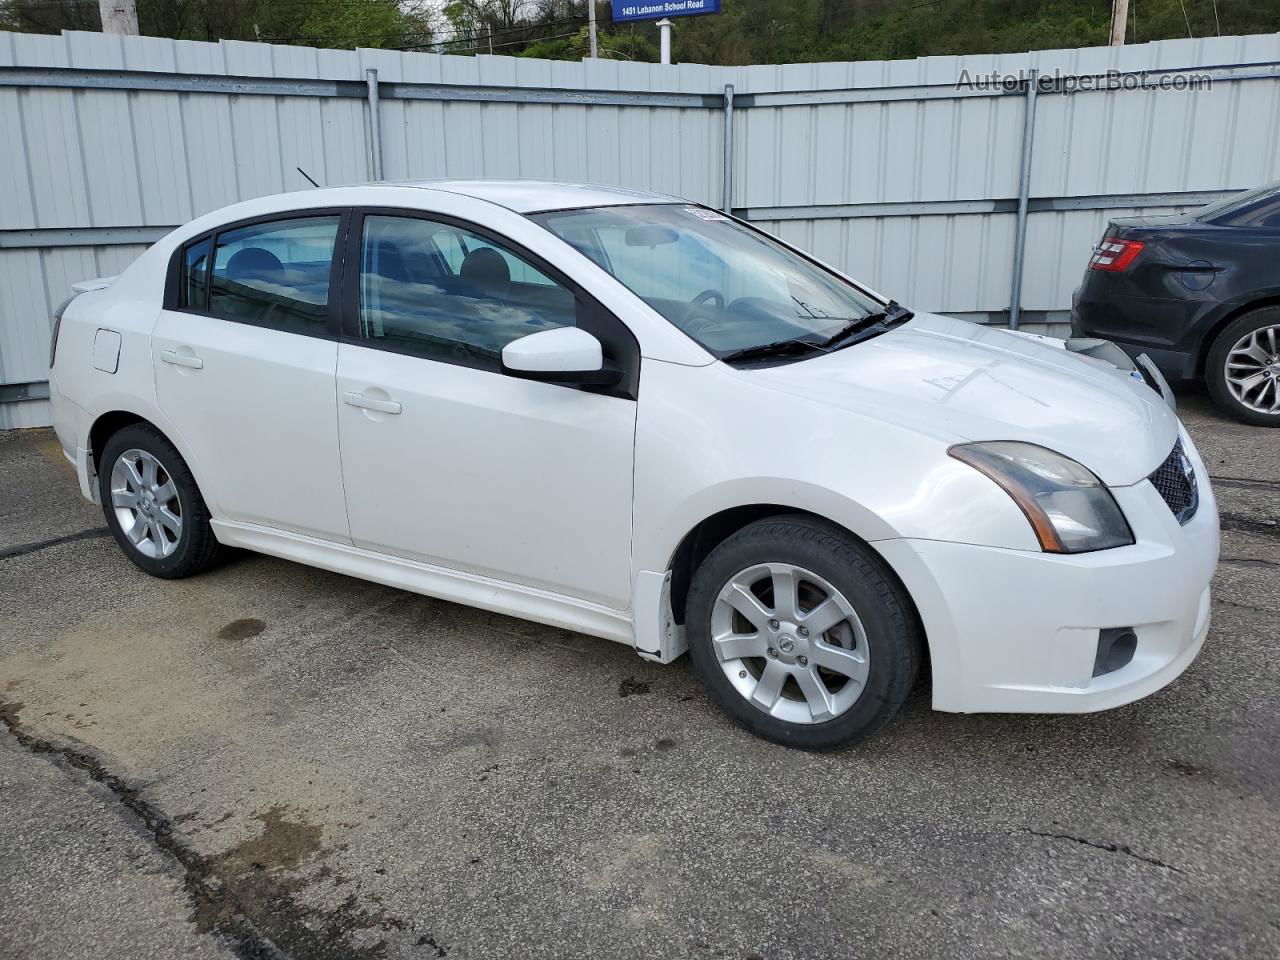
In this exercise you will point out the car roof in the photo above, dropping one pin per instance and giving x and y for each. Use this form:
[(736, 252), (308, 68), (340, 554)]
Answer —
[(532, 196)]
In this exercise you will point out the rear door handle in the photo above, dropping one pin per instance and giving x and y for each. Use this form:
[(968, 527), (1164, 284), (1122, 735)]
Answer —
[(369, 403), (182, 359)]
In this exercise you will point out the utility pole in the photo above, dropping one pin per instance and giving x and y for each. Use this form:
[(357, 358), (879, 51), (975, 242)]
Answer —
[(119, 16), (1119, 21), (591, 27), (664, 40)]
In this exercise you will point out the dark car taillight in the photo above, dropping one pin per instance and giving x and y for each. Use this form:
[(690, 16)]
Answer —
[(1114, 255)]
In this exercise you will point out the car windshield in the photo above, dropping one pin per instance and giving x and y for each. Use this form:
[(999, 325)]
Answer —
[(1236, 201), (726, 285)]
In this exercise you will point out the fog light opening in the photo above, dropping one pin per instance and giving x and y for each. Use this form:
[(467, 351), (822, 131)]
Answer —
[(1116, 646)]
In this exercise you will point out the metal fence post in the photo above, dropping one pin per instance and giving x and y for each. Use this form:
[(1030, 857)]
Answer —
[(1024, 188), (727, 205), (375, 124)]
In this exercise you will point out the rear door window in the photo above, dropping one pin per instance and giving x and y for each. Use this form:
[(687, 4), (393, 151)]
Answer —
[(275, 274)]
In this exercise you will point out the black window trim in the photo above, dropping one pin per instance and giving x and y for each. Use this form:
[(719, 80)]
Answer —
[(174, 287), (333, 318), (620, 343)]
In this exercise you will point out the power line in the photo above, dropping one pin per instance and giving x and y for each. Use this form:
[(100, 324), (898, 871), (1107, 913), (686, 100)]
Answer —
[(531, 25), (472, 43), (474, 39), (512, 43)]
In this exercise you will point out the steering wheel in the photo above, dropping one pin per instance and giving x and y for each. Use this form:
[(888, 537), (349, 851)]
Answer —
[(699, 317), (709, 294)]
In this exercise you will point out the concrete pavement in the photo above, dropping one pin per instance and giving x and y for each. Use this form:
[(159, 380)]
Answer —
[(270, 760)]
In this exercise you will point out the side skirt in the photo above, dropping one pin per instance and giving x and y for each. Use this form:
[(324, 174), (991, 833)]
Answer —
[(498, 596)]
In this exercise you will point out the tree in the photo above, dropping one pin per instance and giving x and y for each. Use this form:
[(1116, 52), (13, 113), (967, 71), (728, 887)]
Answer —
[(374, 23), (349, 23), (481, 23), (617, 44), (48, 16), (746, 31)]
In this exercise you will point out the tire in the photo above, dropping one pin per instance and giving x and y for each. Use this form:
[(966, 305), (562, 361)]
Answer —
[(182, 549), (828, 565), (1260, 330)]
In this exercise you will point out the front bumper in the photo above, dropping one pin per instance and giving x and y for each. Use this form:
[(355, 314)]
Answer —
[(1017, 631)]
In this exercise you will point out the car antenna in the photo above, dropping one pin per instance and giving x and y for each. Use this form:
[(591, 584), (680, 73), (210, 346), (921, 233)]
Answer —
[(308, 176)]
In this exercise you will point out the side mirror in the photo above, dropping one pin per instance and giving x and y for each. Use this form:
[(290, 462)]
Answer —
[(563, 355)]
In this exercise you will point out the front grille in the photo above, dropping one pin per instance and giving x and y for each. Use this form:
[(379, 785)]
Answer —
[(1175, 481)]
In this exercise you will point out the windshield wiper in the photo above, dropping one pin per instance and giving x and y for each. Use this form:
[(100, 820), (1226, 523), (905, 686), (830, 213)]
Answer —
[(893, 312), (780, 348)]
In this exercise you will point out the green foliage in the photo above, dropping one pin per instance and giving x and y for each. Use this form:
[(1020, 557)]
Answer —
[(374, 23), (340, 23), (620, 44), (747, 31), (798, 31)]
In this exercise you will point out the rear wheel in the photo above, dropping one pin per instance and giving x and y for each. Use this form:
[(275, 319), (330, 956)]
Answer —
[(1243, 368), (802, 634), (152, 504)]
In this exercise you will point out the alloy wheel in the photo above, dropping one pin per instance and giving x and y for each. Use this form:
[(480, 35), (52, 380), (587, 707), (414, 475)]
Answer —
[(1253, 370), (146, 503), (790, 643)]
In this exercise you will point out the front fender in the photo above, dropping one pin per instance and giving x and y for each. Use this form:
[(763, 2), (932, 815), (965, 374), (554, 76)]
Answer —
[(745, 445)]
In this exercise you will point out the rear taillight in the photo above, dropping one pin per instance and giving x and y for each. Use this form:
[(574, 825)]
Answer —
[(1115, 256), (57, 325)]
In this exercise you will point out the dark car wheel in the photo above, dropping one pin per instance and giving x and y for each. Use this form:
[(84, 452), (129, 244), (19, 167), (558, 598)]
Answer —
[(802, 634), (152, 504), (1243, 367)]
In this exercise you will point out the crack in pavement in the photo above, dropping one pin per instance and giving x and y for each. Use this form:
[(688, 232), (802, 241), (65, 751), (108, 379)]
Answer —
[(1242, 606), (245, 940), (1105, 845), (1269, 563), (1243, 482), (238, 917), (1261, 528), (22, 549)]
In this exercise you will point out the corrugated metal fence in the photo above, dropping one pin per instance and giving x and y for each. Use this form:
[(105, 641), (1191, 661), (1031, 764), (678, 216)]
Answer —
[(925, 188)]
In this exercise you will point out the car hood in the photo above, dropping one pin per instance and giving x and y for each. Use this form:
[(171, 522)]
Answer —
[(962, 381)]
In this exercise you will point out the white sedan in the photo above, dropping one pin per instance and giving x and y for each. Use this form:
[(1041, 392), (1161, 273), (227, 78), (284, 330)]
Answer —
[(636, 417)]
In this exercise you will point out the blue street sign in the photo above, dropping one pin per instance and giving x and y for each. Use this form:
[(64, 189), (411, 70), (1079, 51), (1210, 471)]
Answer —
[(657, 9)]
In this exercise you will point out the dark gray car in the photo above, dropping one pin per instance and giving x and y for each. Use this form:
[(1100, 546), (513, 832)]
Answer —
[(1200, 294)]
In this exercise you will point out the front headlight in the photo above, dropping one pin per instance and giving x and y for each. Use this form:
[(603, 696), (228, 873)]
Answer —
[(1071, 510)]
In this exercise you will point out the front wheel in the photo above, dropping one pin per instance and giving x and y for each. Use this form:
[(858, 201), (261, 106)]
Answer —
[(802, 634), (1243, 368)]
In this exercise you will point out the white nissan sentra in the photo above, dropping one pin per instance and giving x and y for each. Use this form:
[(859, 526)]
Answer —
[(636, 417)]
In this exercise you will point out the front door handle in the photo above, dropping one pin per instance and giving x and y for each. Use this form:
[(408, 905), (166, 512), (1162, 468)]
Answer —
[(370, 403), (182, 359)]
